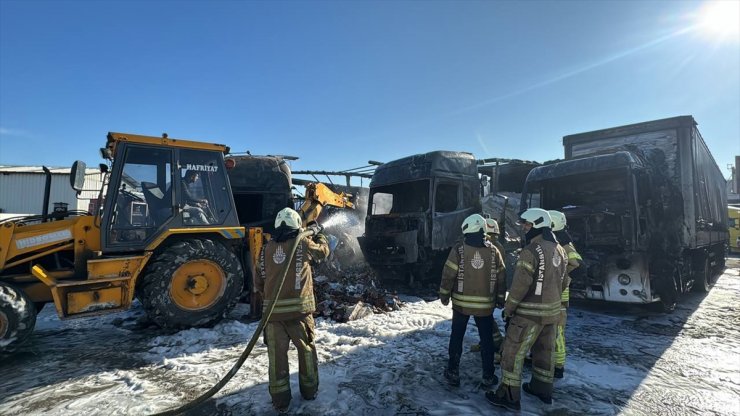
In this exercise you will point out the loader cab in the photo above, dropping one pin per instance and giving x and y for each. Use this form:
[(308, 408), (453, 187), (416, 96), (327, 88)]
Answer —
[(155, 187)]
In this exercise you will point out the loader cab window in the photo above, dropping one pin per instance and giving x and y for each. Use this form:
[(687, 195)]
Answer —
[(143, 198), (204, 194)]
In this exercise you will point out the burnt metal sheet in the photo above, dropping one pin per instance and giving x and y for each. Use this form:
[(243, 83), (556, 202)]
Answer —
[(710, 201), (617, 160), (425, 165), (508, 177), (581, 144), (446, 228), (261, 187), (260, 174)]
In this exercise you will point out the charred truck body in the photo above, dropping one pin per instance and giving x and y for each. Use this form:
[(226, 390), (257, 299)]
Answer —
[(645, 205), (261, 186), (415, 210)]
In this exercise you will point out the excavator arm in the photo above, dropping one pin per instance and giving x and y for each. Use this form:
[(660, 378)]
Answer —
[(317, 197)]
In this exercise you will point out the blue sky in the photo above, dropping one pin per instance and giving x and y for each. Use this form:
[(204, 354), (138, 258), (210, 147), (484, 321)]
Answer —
[(338, 83)]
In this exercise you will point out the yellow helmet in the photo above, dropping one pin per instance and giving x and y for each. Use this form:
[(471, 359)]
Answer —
[(473, 224), (558, 220), (288, 217), (539, 217), (492, 226)]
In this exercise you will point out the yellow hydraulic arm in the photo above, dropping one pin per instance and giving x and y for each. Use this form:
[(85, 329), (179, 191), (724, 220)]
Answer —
[(318, 196)]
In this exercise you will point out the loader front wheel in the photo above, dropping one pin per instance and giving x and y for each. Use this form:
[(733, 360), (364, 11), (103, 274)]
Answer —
[(17, 317), (191, 283)]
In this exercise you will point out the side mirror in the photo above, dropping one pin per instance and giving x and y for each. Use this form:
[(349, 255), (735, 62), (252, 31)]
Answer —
[(77, 175), (103, 168)]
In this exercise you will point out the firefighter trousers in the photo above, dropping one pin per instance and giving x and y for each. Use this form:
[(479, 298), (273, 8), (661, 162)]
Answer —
[(559, 357), (522, 335), (279, 334), (485, 331)]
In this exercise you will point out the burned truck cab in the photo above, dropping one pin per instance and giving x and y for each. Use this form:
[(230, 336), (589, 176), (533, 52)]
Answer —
[(605, 203), (261, 186), (646, 209), (415, 209)]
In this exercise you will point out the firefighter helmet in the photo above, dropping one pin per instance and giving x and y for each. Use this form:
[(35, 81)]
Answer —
[(473, 224), (538, 217), (289, 218), (558, 220), (492, 226)]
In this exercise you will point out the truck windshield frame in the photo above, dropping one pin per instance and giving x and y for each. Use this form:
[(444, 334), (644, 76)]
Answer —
[(400, 198), (593, 189)]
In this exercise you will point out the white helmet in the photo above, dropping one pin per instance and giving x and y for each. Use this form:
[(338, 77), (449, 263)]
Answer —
[(288, 217), (473, 224), (537, 216), (558, 220), (492, 226)]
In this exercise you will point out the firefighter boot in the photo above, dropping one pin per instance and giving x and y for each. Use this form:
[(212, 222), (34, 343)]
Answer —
[(489, 381), (452, 373), (453, 376), (542, 391), (503, 397)]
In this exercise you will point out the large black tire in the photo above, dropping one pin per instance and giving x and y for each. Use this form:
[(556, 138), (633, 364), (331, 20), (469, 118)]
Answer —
[(169, 287), (667, 286), (17, 317), (702, 275)]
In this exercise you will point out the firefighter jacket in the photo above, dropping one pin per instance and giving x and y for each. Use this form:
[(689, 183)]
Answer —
[(539, 281), (296, 297), (475, 279), (574, 261)]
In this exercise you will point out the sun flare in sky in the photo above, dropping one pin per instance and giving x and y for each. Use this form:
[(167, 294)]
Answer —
[(720, 19)]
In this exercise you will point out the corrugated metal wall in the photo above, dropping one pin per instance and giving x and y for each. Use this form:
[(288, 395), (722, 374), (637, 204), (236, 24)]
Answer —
[(23, 193)]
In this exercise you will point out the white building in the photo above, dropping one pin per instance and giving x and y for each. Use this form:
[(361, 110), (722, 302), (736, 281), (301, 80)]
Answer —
[(22, 189)]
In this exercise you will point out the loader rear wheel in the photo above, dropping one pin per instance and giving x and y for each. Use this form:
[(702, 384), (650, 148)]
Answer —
[(17, 317), (191, 283)]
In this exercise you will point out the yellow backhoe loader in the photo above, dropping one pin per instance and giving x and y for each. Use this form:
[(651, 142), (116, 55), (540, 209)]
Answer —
[(165, 230)]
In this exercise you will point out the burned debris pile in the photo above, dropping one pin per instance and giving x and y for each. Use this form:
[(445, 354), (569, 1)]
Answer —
[(352, 293)]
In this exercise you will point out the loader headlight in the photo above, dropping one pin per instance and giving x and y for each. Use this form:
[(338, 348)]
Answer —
[(624, 279)]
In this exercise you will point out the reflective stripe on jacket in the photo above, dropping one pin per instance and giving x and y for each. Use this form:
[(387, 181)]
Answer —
[(474, 278), (296, 297), (539, 281)]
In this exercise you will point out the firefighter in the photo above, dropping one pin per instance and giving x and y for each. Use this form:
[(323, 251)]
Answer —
[(473, 277), (292, 318), (492, 235), (559, 227), (532, 309)]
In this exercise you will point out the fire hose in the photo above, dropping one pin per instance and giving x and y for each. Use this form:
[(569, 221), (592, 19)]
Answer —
[(248, 350)]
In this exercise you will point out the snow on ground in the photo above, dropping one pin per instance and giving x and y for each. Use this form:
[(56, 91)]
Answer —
[(621, 360)]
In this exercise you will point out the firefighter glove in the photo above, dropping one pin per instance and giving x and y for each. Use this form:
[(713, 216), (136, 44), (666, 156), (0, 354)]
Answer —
[(506, 314), (315, 227), (445, 300)]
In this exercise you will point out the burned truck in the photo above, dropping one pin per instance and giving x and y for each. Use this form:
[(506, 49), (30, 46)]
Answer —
[(261, 186), (645, 206), (415, 209)]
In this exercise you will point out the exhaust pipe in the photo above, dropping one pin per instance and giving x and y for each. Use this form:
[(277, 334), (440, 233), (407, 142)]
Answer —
[(47, 192)]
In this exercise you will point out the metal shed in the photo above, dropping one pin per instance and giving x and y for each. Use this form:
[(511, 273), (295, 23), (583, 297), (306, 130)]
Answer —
[(22, 189)]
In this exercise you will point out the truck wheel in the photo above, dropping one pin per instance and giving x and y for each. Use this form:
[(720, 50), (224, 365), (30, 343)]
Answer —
[(17, 317), (703, 277), (191, 283), (667, 287)]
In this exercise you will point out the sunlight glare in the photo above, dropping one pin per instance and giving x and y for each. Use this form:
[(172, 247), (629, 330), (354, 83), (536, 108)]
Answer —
[(720, 19)]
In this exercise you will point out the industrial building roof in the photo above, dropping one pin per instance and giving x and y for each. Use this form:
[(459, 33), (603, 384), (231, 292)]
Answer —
[(39, 169)]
